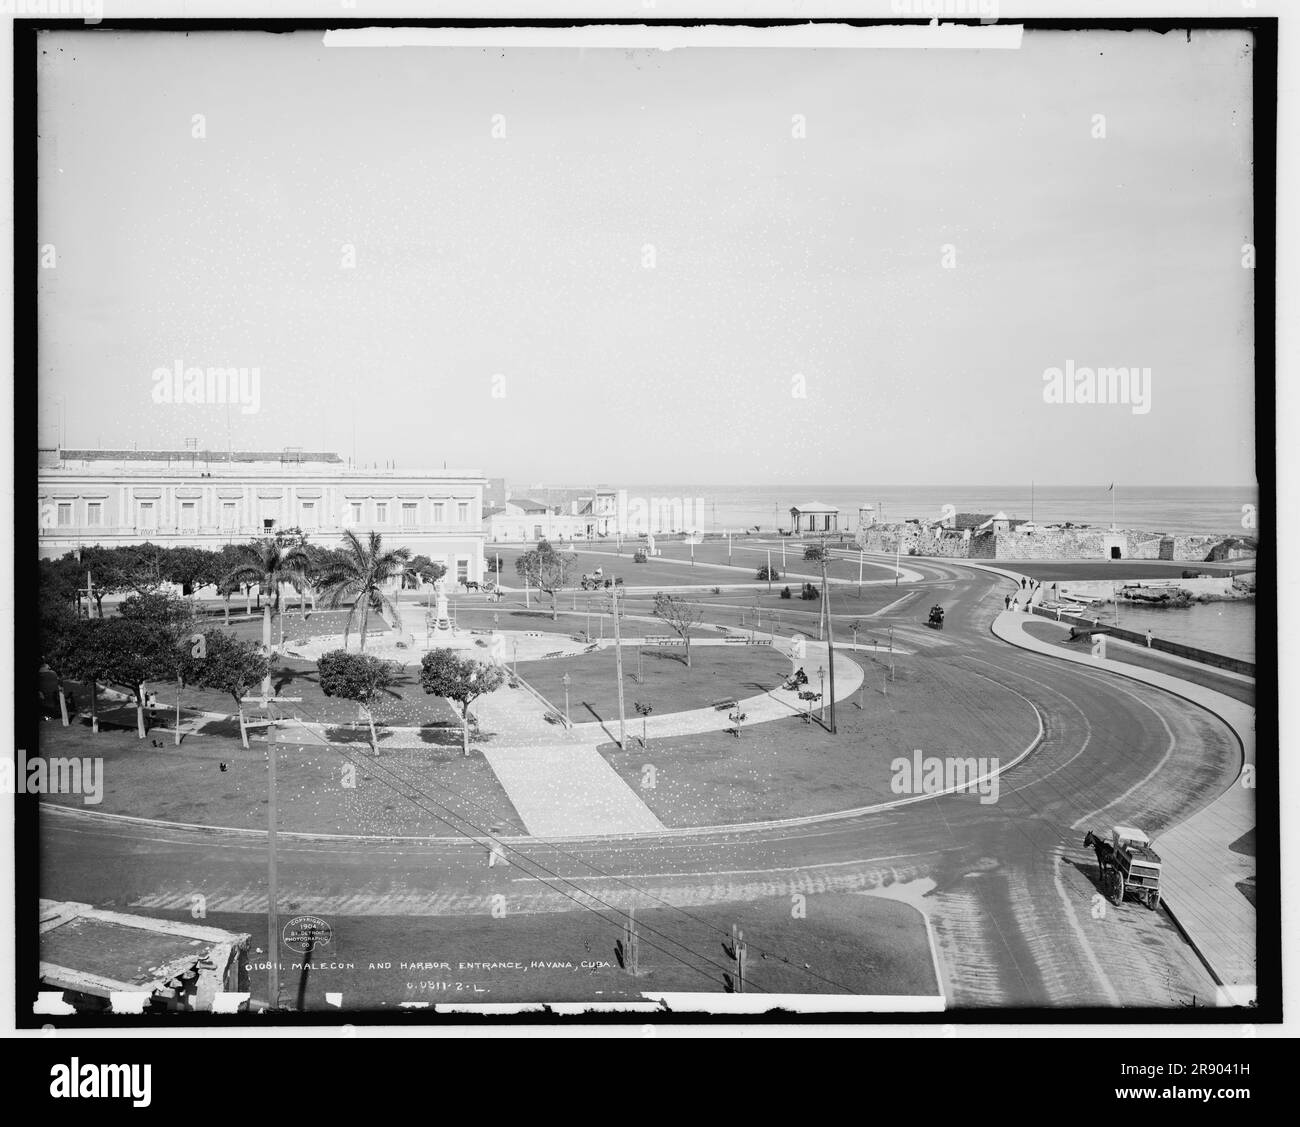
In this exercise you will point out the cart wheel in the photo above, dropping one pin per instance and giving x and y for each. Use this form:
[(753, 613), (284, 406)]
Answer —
[(1115, 886)]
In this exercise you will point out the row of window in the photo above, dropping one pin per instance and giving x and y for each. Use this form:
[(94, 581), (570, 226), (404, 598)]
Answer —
[(308, 514)]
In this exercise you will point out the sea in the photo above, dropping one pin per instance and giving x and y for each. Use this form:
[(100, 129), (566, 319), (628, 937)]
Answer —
[(1172, 509), (1225, 628)]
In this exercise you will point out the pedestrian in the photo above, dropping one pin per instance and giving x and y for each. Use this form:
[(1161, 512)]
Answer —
[(1022, 582), (1007, 600), (1148, 637)]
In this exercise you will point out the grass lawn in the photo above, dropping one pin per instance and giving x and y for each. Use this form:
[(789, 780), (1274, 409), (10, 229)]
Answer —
[(394, 795), (652, 572), (754, 556), (716, 673), (851, 943), (789, 768)]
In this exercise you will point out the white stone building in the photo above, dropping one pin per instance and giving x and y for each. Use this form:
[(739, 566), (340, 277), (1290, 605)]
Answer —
[(209, 498)]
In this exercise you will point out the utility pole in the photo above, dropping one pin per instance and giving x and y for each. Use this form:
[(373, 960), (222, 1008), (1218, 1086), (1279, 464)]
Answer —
[(737, 953), (266, 700), (769, 571), (631, 945), (830, 638), (861, 556), (618, 667)]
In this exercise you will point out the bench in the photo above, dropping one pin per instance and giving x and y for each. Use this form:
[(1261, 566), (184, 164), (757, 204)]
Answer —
[(723, 705)]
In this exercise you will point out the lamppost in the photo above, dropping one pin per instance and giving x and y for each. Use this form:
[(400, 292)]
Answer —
[(891, 653), (565, 680), (515, 649), (821, 677), (769, 570)]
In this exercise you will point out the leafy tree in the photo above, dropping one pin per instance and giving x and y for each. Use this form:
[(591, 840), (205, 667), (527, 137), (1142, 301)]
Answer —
[(107, 568), (814, 552), (192, 568), (141, 568), (643, 710), (230, 557), (136, 652), (59, 639), (428, 571), (231, 666), (91, 662), (269, 563), (462, 680), (548, 570), (159, 609), (810, 697), (680, 617), (362, 574), (59, 580), (169, 620), (357, 677)]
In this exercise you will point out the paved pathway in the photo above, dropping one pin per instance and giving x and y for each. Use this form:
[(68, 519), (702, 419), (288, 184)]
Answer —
[(776, 704), (1201, 870), (568, 790)]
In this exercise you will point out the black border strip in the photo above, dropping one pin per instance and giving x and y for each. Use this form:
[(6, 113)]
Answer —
[(26, 369)]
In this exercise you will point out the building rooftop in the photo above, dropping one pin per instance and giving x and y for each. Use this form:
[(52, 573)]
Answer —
[(293, 456), (208, 462)]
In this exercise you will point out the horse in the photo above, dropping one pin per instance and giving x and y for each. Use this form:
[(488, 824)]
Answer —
[(1106, 863)]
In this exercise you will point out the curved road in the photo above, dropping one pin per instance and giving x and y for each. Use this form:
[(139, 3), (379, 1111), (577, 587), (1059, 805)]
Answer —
[(1010, 894)]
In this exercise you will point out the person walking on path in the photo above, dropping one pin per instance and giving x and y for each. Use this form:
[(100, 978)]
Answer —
[(1008, 602)]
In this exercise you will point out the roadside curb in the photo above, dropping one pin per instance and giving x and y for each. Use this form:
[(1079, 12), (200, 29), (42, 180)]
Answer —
[(485, 840)]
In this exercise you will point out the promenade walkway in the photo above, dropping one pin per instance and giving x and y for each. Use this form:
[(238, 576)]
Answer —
[(775, 704), (1202, 870)]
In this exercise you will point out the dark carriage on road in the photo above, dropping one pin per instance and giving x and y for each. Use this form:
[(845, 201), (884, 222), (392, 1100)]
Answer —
[(935, 621), (1129, 865)]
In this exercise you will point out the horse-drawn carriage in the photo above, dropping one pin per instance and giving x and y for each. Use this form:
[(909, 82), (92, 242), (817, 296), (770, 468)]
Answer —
[(935, 621), (1129, 865), (594, 580)]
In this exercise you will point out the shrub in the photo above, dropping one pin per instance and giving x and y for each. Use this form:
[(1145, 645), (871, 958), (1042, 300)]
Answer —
[(717, 590), (809, 592), (638, 556), (814, 552), (766, 572), (785, 592)]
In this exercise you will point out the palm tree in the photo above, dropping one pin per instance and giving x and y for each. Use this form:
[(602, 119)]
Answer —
[(269, 563), (360, 573)]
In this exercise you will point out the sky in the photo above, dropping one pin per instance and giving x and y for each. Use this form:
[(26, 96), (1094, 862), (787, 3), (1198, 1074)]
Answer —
[(949, 227)]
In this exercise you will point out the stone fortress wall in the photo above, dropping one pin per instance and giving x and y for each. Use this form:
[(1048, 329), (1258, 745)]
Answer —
[(1084, 543)]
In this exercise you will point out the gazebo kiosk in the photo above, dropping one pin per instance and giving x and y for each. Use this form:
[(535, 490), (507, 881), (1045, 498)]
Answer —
[(814, 519)]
